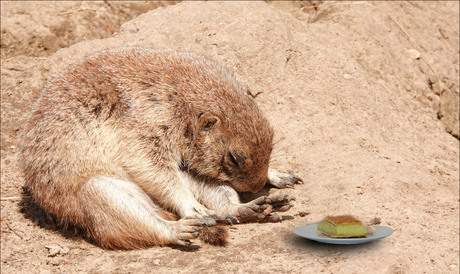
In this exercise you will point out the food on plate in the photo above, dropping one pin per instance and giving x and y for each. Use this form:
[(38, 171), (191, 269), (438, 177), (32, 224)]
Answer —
[(343, 226)]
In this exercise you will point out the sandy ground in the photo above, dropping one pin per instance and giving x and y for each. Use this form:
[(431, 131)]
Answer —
[(363, 98)]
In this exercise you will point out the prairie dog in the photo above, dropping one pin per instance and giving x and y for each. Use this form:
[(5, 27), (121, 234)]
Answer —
[(123, 140)]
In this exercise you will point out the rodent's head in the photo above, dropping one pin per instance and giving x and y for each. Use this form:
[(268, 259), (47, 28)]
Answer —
[(236, 152)]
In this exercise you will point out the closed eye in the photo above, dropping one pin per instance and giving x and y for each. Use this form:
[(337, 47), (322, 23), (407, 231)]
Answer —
[(233, 159)]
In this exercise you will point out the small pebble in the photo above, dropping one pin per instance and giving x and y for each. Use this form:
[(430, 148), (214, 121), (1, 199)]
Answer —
[(347, 76), (55, 249), (413, 54)]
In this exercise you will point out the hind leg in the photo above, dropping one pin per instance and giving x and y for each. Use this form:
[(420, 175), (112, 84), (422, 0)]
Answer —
[(118, 214)]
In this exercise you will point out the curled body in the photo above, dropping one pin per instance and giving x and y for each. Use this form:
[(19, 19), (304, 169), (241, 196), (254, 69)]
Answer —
[(124, 140)]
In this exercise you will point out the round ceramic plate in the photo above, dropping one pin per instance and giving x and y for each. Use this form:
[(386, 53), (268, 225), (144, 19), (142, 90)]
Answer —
[(311, 232)]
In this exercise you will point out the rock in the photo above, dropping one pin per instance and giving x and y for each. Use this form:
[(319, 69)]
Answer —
[(55, 249), (413, 54)]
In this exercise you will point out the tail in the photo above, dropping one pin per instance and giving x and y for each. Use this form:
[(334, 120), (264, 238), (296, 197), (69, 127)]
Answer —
[(214, 235)]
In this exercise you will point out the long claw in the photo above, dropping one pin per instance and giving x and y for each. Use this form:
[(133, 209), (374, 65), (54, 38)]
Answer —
[(283, 208), (184, 242), (260, 200), (283, 179), (297, 179), (230, 219), (274, 218)]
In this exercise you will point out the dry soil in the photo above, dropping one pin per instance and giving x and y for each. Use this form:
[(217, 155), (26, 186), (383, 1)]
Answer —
[(363, 97)]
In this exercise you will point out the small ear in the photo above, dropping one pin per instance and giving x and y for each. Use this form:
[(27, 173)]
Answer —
[(207, 121)]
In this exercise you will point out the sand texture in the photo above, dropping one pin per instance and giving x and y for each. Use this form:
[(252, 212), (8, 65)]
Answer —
[(363, 98)]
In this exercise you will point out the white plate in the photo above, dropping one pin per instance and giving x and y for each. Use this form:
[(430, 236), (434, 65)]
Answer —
[(311, 232)]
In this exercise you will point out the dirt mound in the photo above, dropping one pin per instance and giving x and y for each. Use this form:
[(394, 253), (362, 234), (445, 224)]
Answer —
[(353, 91), (393, 44), (41, 28)]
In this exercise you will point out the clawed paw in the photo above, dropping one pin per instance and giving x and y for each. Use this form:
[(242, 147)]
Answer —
[(189, 228), (186, 229), (227, 218), (283, 179), (211, 218), (262, 209)]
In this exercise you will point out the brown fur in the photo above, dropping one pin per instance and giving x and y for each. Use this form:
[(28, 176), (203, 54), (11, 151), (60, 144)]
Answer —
[(214, 235), (117, 140)]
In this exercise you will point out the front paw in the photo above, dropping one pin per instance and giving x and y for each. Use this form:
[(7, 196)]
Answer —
[(262, 209), (185, 230), (283, 179), (210, 218)]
